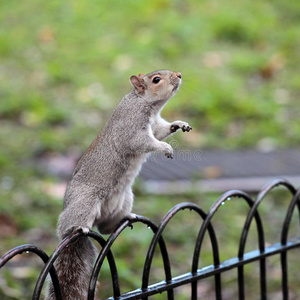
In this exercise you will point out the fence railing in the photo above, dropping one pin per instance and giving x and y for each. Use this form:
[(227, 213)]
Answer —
[(194, 277)]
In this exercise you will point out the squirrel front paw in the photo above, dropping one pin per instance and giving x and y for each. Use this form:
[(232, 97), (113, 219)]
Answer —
[(169, 151), (185, 127)]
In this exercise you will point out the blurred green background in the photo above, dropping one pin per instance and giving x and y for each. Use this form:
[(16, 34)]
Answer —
[(65, 65)]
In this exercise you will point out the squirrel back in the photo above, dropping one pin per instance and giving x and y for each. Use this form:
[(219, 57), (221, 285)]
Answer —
[(99, 192)]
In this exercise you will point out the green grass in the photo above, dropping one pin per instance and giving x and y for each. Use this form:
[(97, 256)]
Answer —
[(65, 66)]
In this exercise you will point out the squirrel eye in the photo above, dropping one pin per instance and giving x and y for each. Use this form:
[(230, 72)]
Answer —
[(156, 79)]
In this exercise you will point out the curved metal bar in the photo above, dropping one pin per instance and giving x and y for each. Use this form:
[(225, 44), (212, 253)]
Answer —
[(40, 282), (261, 244), (33, 249), (157, 236), (286, 224), (68, 240), (207, 223), (284, 235), (212, 211), (101, 257), (111, 261), (110, 241), (166, 262), (21, 249), (266, 189), (216, 269)]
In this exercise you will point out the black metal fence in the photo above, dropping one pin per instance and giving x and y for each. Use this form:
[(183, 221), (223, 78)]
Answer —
[(194, 277)]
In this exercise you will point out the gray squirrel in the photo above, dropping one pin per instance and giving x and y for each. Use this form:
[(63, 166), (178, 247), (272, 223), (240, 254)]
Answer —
[(100, 190)]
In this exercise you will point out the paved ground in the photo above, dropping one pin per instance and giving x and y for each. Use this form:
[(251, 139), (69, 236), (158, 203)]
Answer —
[(205, 170), (220, 170)]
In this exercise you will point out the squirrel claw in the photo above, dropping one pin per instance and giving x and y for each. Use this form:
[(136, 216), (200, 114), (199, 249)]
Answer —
[(170, 155), (186, 128)]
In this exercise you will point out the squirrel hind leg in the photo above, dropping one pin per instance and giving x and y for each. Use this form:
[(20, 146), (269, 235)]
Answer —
[(110, 226), (72, 219), (107, 227)]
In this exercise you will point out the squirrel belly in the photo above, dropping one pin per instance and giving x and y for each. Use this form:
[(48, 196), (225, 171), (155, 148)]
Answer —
[(100, 190)]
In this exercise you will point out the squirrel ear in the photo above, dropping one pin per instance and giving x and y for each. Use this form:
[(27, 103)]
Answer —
[(138, 83)]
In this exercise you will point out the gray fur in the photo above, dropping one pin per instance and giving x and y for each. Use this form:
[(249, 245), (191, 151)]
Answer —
[(99, 192)]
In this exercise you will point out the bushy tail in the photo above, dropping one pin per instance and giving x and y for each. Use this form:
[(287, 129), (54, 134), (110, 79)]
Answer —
[(74, 267)]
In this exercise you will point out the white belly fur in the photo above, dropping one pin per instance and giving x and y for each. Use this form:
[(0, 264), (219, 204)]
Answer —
[(122, 192)]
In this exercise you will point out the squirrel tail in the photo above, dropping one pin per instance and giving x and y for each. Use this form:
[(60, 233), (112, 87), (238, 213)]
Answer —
[(74, 268)]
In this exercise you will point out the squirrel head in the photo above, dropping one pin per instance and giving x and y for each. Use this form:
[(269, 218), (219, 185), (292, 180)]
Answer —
[(158, 85)]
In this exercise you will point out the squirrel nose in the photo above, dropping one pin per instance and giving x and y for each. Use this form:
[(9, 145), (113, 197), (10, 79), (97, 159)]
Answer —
[(178, 75)]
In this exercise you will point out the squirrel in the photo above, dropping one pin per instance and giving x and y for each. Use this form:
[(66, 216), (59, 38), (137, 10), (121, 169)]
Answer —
[(99, 192)]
